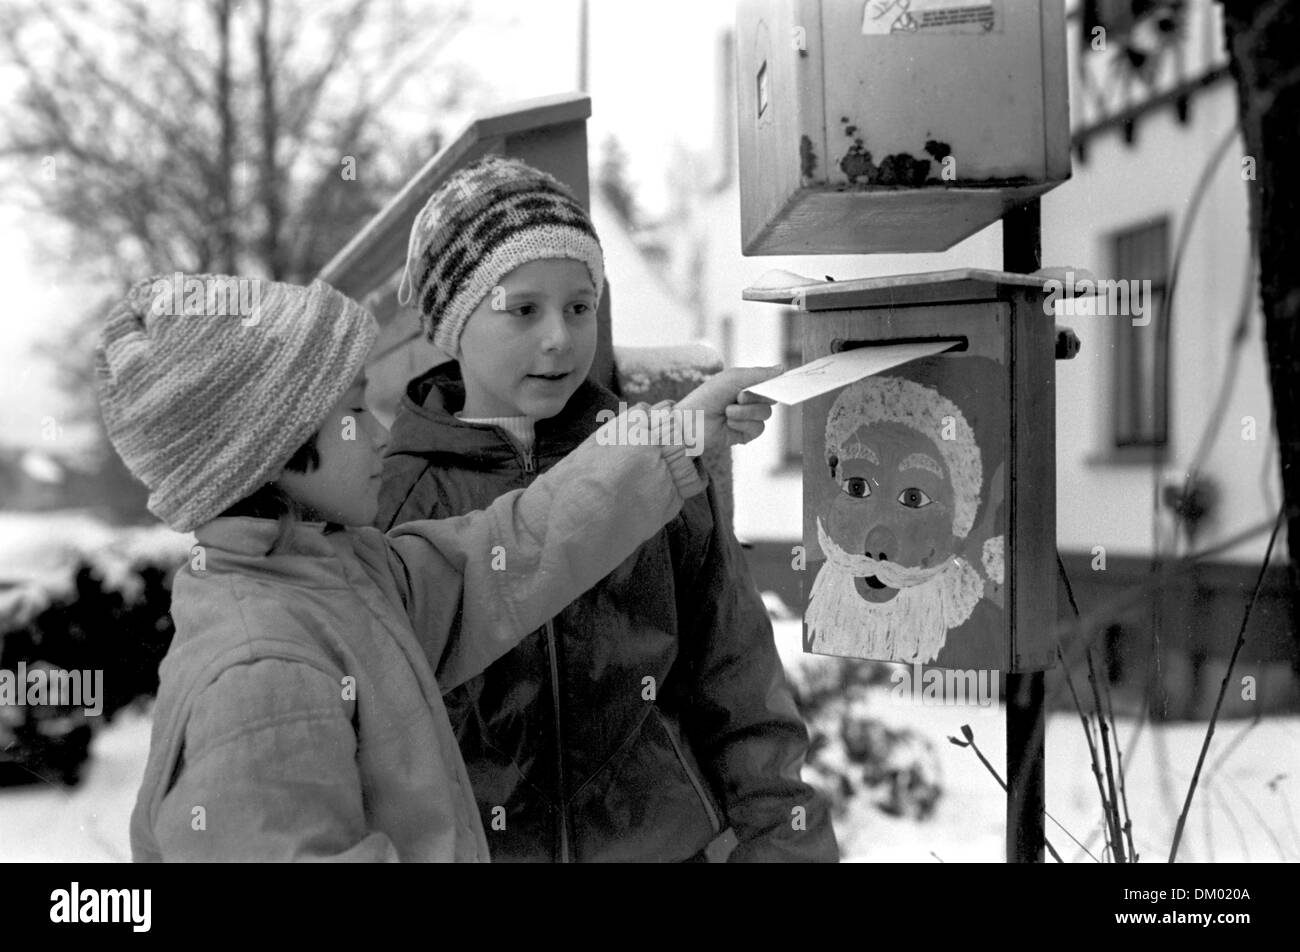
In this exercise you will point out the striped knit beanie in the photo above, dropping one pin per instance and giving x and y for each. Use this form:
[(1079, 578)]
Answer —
[(485, 221), (208, 384)]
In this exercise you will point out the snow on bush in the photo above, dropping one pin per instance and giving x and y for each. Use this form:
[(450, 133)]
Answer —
[(853, 755), (40, 554), (663, 373)]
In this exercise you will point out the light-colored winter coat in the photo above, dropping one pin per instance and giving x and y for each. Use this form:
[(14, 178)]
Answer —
[(300, 718)]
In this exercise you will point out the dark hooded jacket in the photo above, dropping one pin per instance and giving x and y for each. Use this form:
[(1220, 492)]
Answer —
[(652, 714)]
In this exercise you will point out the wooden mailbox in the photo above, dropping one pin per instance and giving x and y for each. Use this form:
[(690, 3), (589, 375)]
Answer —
[(895, 125), (929, 489)]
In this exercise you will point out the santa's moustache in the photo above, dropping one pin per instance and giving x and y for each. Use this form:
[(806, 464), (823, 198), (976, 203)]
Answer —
[(863, 566)]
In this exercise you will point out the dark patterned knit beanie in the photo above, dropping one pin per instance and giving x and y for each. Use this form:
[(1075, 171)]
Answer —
[(485, 221)]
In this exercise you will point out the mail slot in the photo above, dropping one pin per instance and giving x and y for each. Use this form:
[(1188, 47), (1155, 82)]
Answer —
[(895, 125), (929, 524)]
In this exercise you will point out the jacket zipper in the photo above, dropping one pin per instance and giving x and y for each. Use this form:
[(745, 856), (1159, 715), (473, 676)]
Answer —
[(714, 820), (559, 743), (552, 651)]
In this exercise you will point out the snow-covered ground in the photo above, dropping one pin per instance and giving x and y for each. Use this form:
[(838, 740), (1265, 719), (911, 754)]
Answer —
[(1245, 809), (87, 823)]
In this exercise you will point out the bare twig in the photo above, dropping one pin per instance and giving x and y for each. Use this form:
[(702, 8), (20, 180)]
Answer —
[(1223, 688), (1286, 808), (1109, 805), (1112, 810), (970, 742), (1234, 743), (1093, 759), (1126, 818), (1164, 772), (1241, 834), (1259, 817)]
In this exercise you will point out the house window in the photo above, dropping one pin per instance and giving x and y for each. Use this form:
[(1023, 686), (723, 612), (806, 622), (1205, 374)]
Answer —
[(791, 417), (1142, 350)]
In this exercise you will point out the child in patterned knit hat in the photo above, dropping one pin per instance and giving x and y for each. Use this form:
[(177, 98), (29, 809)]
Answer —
[(300, 711), (650, 720)]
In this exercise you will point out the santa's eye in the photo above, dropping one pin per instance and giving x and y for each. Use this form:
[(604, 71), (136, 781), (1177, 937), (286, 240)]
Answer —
[(914, 498), (856, 486)]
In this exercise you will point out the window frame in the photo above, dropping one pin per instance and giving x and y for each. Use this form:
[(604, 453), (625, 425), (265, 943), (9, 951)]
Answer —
[(1131, 439)]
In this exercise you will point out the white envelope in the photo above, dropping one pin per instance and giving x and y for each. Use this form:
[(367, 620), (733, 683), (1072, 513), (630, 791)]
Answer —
[(839, 370)]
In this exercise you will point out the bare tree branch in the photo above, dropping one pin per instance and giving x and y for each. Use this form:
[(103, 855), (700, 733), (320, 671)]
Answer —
[(205, 136)]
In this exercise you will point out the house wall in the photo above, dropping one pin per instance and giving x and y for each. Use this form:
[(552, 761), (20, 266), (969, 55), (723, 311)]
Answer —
[(1118, 185)]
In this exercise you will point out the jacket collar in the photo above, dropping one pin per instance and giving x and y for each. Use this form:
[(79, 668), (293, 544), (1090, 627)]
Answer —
[(247, 536), (313, 554), (427, 426)]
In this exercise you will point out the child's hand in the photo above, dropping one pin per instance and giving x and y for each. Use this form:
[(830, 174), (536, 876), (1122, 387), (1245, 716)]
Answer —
[(728, 413)]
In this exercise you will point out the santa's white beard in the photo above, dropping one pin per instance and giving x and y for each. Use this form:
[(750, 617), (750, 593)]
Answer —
[(912, 626)]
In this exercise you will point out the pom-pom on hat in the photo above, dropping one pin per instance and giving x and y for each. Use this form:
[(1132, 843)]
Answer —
[(485, 221), (208, 384)]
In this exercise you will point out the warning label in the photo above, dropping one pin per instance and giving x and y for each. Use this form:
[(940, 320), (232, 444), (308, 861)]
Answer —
[(881, 17)]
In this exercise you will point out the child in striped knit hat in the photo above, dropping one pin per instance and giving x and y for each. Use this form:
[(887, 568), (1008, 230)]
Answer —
[(300, 711), (650, 719)]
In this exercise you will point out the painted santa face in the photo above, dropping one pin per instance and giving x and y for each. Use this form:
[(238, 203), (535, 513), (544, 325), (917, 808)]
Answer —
[(895, 502)]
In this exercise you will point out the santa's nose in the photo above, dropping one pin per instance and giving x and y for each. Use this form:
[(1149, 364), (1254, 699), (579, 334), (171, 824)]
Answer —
[(880, 542)]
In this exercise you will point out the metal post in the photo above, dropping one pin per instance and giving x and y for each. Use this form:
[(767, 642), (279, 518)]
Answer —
[(1026, 727)]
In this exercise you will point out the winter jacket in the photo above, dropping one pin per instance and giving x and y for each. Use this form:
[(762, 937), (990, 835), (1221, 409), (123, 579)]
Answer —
[(300, 715), (652, 713)]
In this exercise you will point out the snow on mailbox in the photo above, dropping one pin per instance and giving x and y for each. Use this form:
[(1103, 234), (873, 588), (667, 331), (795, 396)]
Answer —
[(895, 125), (929, 468)]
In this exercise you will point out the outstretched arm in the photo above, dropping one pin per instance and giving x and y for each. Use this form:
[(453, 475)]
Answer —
[(477, 584)]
